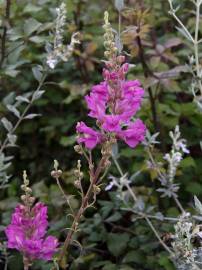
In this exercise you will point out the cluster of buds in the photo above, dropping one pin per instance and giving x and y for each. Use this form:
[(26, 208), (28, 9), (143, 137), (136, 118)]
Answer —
[(79, 175), (109, 38), (56, 173), (27, 198)]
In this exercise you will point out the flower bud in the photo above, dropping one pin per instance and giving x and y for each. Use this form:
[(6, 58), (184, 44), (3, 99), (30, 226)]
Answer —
[(121, 59), (77, 184), (78, 149), (56, 174)]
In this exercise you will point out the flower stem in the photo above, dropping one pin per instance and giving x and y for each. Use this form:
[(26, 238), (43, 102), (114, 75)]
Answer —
[(94, 176)]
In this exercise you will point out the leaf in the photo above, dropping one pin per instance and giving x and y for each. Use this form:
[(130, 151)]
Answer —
[(37, 39), (22, 99), (13, 109), (37, 73), (7, 124), (119, 4), (68, 140), (30, 26), (172, 42), (198, 205), (12, 72), (31, 116), (115, 217), (37, 94), (12, 139), (117, 243), (134, 256), (30, 8)]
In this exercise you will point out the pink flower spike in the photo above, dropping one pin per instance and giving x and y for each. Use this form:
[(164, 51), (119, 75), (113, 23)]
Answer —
[(27, 230), (87, 135), (134, 134)]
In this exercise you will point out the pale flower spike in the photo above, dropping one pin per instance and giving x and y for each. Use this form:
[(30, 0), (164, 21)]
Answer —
[(61, 52)]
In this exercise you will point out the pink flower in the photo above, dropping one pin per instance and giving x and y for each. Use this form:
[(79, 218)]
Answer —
[(27, 230), (111, 123), (113, 103), (96, 106), (134, 134), (87, 135)]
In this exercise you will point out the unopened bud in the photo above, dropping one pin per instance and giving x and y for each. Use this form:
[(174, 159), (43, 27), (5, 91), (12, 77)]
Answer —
[(23, 197), (121, 59), (56, 174), (96, 189), (78, 149), (77, 184), (31, 199), (28, 190)]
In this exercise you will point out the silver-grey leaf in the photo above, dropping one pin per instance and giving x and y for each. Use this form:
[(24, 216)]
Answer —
[(198, 205), (31, 116), (37, 73), (7, 124), (37, 95), (13, 109), (22, 99), (119, 4), (12, 139)]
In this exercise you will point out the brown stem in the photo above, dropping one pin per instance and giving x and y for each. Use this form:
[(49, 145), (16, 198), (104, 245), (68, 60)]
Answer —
[(147, 73), (3, 39), (26, 263), (84, 205)]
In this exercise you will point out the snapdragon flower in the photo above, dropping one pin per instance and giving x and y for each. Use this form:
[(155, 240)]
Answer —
[(113, 103), (27, 231)]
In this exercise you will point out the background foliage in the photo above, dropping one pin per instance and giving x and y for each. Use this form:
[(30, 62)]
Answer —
[(110, 238)]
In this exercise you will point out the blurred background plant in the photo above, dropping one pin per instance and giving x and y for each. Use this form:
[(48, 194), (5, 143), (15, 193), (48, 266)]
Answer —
[(158, 58)]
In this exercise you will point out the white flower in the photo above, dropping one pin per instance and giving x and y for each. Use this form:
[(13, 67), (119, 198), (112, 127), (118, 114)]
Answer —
[(51, 62), (182, 145), (109, 186)]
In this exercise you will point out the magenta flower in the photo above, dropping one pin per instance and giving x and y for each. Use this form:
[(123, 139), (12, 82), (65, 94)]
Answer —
[(87, 135), (113, 103), (27, 230), (111, 123), (134, 134)]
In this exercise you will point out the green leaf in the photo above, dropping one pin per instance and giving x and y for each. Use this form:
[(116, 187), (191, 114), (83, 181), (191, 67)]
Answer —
[(117, 243), (37, 73), (30, 26), (115, 217)]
